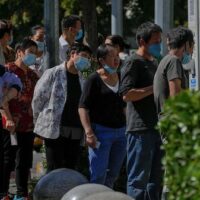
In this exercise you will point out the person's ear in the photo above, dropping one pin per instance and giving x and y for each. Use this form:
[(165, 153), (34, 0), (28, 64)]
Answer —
[(72, 54), (142, 42), (19, 53), (70, 29), (101, 60)]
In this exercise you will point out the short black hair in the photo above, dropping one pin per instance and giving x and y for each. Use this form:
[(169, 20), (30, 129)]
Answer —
[(78, 47), (118, 40), (5, 27), (35, 28), (146, 30), (178, 37), (69, 21), (25, 44), (102, 51)]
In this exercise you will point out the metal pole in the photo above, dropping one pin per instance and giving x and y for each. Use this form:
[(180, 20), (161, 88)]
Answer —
[(51, 22), (164, 15), (193, 22), (117, 17)]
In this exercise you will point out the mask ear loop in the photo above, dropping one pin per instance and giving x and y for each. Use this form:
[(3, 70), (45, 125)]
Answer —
[(100, 61), (186, 49)]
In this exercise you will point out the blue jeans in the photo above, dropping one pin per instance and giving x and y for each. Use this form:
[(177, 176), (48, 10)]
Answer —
[(144, 168), (106, 161)]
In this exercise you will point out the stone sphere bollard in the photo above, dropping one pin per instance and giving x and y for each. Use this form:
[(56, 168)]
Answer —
[(55, 184), (82, 191), (108, 196)]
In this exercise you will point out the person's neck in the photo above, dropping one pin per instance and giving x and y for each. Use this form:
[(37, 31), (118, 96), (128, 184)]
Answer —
[(175, 52), (3, 43), (102, 72), (68, 38), (144, 53), (21, 65), (70, 67)]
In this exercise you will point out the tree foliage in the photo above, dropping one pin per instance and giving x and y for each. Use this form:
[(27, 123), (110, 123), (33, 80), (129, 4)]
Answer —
[(25, 14), (181, 128)]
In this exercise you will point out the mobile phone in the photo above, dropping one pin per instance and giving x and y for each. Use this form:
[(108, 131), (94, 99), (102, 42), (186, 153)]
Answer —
[(13, 139)]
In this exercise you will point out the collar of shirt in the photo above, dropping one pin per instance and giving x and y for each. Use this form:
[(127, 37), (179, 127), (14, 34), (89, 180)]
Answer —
[(62, 41)]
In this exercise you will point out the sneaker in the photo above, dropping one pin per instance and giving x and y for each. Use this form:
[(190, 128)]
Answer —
[(20, 198)]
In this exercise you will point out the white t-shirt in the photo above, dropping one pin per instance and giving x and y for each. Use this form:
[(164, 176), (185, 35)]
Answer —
[(114, 88)]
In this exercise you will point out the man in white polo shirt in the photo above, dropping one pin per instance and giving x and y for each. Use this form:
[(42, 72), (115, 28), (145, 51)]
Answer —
[(71, 31)]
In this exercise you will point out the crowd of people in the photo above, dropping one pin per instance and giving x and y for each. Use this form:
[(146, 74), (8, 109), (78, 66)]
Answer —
[(115, 110)]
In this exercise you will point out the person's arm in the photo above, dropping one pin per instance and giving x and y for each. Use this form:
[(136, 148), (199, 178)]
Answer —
[(130, 76), (10, 124), (85, 120), (174, 87), (86, 103), (174, 74), (138, 94), (42, 92)]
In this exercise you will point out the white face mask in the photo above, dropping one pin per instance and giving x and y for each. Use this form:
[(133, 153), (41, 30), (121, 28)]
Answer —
[(40, 45)]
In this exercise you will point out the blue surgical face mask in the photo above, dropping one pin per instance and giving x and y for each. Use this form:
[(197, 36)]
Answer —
[(40, 45), (186, 58), (29, 59), (82, 63), (155, 49), (79, 35), (110, 70)]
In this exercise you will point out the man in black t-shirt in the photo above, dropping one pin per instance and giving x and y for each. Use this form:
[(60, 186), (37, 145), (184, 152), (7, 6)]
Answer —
[(143, 145), (170, 78)]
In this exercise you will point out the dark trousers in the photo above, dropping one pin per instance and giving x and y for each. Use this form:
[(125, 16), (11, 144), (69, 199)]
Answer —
[(24, 158), (62, 153), (144, 167), (22, 155), (7, 161)]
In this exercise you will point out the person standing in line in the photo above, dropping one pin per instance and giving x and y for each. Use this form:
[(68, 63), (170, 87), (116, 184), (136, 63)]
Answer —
[(55, 109), (144, 155), (6, 41), (71, 31), (38, 36), (102, 113), (170, 79), (7, 54), (22, 117), (118, 42)]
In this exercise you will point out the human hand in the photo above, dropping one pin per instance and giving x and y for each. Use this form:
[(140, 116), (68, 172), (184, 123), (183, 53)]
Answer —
[(91, 139), (10, 125)]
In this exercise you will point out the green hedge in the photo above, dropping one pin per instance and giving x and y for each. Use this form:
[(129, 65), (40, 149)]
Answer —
[(181, 128)]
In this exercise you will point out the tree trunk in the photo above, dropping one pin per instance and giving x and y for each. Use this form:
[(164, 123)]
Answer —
[(90, 21)]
